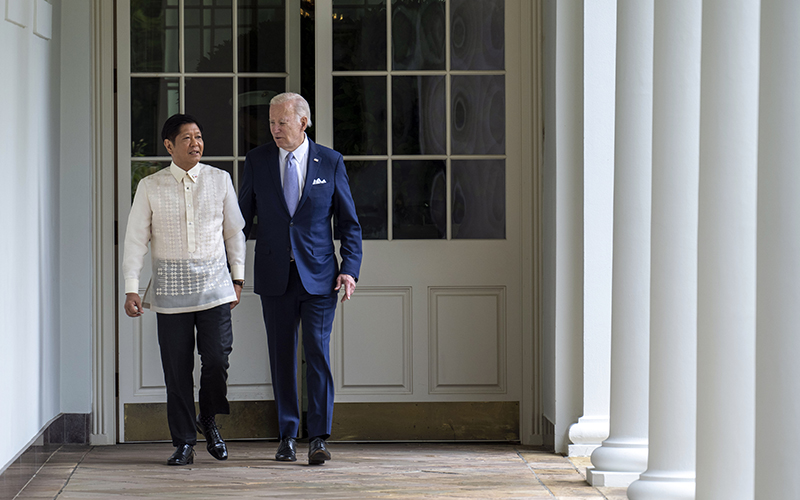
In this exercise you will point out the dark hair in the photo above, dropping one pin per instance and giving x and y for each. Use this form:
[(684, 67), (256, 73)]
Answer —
[(174, 123)]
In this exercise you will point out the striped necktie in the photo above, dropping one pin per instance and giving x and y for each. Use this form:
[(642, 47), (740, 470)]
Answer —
[(291, 188)]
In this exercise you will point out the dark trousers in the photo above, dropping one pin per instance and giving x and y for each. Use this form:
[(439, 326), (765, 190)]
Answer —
[(282, 316), (176, 337)]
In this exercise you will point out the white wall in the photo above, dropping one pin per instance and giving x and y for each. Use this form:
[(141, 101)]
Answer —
[(29, 263), (76, 207), (45, 222), (548, 211), (562, 227)]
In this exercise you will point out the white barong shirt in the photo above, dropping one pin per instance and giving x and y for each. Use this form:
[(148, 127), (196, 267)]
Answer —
[(192, 222)]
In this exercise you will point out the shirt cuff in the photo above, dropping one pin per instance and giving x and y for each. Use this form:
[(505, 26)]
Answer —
[(131, 285), (237, 272)]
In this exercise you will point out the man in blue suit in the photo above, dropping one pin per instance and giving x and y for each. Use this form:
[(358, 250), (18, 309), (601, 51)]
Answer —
[(295, 186)]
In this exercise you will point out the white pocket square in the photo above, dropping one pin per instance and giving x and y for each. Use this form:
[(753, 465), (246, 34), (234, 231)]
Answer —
[(319, 181)]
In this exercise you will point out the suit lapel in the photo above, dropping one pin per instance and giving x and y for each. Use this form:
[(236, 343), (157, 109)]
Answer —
[(311, 172)]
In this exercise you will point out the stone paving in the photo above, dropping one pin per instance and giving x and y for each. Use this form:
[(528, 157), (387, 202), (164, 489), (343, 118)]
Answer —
[(386, 470)]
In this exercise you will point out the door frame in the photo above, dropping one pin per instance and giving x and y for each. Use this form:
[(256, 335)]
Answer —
[(104, 224), (105, 303), (534, 430)]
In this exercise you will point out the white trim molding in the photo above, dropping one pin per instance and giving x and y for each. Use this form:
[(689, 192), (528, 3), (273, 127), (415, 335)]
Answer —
[(527, 17), (104, 306)]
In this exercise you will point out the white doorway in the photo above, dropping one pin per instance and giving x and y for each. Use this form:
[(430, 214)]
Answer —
[(421, 98)]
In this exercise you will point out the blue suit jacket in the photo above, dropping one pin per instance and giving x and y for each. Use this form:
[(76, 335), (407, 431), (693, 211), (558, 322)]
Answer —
[(326, 192)]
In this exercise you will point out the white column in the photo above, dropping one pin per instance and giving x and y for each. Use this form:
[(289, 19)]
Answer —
[(569, 219), (598, 216), (673, 278), (623, 456), (778, 289), (726, 303)]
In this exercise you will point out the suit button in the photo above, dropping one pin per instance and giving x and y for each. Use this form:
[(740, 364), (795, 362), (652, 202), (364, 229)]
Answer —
[(291, 224)]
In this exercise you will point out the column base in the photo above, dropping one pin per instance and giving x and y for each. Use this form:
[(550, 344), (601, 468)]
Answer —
[(626, 455), (587, 435), (610, 478), (661, 486), (582, 450)]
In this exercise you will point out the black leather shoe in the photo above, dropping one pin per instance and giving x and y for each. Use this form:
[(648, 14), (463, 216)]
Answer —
[(318, 452), (184, 455), (214, 443), (287, 450)]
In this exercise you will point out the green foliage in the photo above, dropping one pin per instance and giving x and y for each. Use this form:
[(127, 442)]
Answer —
[(148, 40), (141, 169)]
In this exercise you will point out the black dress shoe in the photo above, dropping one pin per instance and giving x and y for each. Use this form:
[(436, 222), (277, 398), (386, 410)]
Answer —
[(318, 452), (287, 450), (214, 443), (184, 455)]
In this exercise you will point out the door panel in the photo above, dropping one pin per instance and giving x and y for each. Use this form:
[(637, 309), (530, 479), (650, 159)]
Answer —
[(467, 340), (375, 357)]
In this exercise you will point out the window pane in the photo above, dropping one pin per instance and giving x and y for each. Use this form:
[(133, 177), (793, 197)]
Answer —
[(418, 115), (370, 193), (478, 199), (359, 35), (222, 165), (141, 169), (478, 115), (418, 34), (154, 36), (208, 36), (262, 30), (419, 199), (477, 35), (153, 100), (359, 115), (210, 100), (254, 97)]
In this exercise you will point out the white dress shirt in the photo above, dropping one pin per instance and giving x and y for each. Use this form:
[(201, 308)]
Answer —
[(301, 155), (191, 220)]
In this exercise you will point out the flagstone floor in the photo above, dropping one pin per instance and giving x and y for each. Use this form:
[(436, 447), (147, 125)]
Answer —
[(386, 470)]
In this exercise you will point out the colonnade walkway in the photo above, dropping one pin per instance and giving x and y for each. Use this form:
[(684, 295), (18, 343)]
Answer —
[(388, 470)]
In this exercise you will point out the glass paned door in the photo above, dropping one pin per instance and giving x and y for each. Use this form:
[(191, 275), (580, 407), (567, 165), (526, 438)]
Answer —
[(182, 61), (419, 85), (417, 104), (220, 61)]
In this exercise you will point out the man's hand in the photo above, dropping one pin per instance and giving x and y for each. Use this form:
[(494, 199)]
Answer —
[(349, 285), (238, 290), (133, 305)]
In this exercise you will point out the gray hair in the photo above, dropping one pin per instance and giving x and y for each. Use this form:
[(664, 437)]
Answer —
[(298, 102)]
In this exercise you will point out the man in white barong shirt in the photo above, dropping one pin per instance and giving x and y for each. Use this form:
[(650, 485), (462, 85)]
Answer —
[(190, 216)]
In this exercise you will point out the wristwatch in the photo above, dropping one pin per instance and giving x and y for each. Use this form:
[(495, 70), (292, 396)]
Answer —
[(239, 282)]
